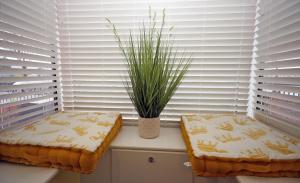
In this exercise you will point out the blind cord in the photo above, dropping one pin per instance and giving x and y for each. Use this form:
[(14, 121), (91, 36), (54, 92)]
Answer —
[(269, 112), (239, 65)]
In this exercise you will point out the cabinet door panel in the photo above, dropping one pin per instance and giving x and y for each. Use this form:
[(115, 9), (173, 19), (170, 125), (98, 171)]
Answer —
[(134, 166)]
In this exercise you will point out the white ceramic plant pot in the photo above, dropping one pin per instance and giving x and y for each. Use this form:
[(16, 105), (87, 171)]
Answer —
[(149, 127)]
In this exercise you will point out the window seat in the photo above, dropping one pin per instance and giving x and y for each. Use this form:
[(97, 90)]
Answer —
[(169, 143)]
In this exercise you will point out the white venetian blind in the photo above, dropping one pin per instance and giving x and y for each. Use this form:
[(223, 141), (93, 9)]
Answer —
[(277, 94), (28, 63), (218, 34)]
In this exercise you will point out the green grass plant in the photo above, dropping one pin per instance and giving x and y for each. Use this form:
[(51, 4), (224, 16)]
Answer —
[(155, 67)]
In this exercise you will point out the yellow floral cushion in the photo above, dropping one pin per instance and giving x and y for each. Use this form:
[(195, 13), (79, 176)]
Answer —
[(77, 130), (238, 136)]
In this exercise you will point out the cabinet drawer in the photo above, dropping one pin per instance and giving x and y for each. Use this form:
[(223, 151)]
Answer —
[(135, 166)]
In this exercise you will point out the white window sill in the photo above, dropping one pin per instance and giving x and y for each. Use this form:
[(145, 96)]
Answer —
[(169, 140)]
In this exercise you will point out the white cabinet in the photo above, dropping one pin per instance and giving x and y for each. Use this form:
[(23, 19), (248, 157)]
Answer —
[(138, 166), (132, 159), (102, 174)]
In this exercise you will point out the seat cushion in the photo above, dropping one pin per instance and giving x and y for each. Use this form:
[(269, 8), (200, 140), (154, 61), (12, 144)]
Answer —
[(67, 140), (229, 144)]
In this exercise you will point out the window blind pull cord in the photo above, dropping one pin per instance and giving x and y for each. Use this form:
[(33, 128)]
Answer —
[(70, 63), (1, 112), (239, 65), (204, 22), (134, 33), (272, 83), (45, 33), (269, 108)]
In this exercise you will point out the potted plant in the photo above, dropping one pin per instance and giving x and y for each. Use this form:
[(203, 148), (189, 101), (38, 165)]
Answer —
[(155, 72)]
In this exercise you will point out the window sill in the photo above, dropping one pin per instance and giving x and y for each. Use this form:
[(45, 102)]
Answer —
[(169, 140)]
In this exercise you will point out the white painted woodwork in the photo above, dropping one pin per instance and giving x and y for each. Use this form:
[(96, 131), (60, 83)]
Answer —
[(134, 166), (169, 140), (251, 179), (17, 173), (102, 173)]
